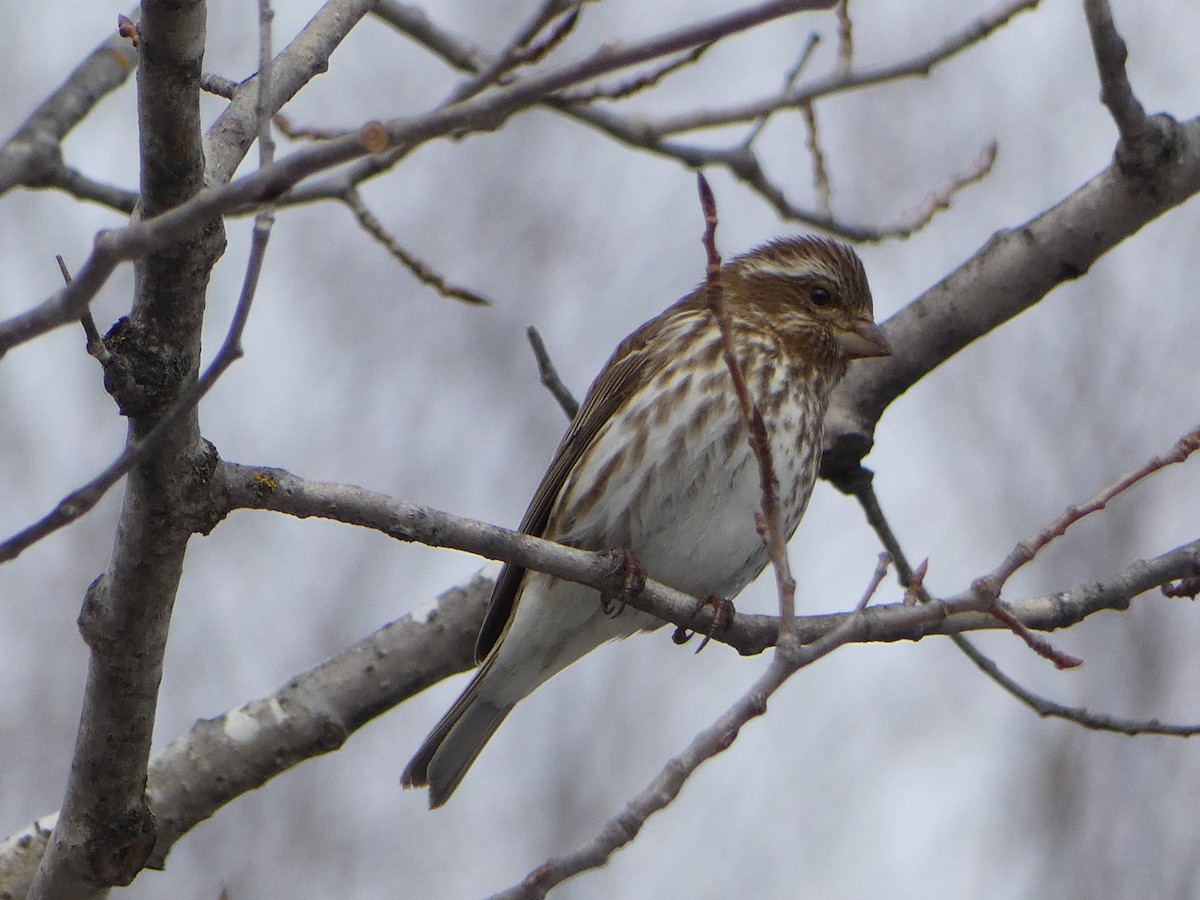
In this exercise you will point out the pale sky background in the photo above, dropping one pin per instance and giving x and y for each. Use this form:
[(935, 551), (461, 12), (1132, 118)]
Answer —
[(883, 771)]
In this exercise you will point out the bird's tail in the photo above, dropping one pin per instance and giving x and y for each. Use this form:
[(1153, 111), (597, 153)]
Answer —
[(455, 742)]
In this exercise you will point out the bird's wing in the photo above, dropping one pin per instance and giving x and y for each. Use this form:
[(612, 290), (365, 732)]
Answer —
[(626, 372)]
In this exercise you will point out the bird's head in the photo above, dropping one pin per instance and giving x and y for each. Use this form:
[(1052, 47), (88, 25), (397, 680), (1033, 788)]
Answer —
[(806, 284)]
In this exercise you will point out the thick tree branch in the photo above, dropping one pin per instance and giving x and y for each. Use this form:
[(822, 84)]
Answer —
[(719, 736), (314, 713), (246, 487), (1011, 272), (105, 832), (33, 155)]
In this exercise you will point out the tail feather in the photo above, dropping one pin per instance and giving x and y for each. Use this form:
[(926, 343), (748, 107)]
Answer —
[(455, 743)]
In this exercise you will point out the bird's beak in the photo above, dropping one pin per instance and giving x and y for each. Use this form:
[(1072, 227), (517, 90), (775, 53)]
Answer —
[(863, 338)]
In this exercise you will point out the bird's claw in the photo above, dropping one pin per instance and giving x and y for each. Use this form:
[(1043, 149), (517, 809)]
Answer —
[(722, 618), (635, 579)]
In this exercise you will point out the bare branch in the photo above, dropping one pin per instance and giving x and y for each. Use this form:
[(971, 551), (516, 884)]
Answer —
[(1115, 90), (105, 832), (770, 525), (317, 710), (1038, 645), (413, 22), (306, 56), (940, 199), (636, 84), (788, 83), (218, 85), (95, 344), (880, 573), (75, 183), (845, 36), (712, 741), (549, 374), (485, 112), (247, 487), (424, 273), (1026, 550), (1049, 709), (841, 82), (1014, 270), (80, 501), (715, 739), (740, 161), (33, 155), (820, 170), (521, 49), (1128, 584)]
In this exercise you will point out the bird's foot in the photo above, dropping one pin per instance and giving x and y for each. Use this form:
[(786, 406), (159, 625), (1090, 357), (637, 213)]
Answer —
[(722, 618), (613, 604)]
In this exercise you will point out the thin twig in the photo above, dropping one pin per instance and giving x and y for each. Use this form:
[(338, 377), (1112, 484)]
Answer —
[(841, 82), (881, 570), (532, 53), (820, 169), (305, 133), (1038, 645), (651, 135), (95, 344), (266, 144), (941, 198), (80, 501), (422, 271), (521, 50), (914, 591), (788, 83), (414, 23), (709, 743), (769, 524), (845, 36), (861, 486), (549, 374), (637, 83), (487, 112), (73, 182), (1049, 709), (1027, 549)]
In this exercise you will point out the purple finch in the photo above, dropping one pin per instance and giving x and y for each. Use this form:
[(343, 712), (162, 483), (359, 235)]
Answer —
[(658, 461)]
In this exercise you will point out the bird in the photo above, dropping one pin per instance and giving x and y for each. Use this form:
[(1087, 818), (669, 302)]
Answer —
[(657, 462)]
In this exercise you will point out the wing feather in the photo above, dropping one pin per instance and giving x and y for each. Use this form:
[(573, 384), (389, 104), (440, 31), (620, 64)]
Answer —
[(627, 371)]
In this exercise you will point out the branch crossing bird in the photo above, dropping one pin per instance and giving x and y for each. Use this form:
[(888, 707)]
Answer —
[(658, 461)]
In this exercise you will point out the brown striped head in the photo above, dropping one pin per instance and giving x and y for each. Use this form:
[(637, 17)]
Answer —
[(808, 288)]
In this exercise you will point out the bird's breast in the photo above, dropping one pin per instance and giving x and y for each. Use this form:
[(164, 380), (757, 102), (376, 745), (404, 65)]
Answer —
[(681, 484)]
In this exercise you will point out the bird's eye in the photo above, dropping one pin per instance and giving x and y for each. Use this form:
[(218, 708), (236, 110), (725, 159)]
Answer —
[(820, 296)]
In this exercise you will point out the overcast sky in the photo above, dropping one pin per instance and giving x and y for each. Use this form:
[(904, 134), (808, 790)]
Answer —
[(883, 771)]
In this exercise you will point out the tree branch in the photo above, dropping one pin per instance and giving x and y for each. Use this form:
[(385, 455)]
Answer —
[(485, 112), (106, 831), (223, 758), (1010, 273), (33, 155)]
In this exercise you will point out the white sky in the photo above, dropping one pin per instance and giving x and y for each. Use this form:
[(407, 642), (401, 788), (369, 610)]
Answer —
[(889, 772)]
